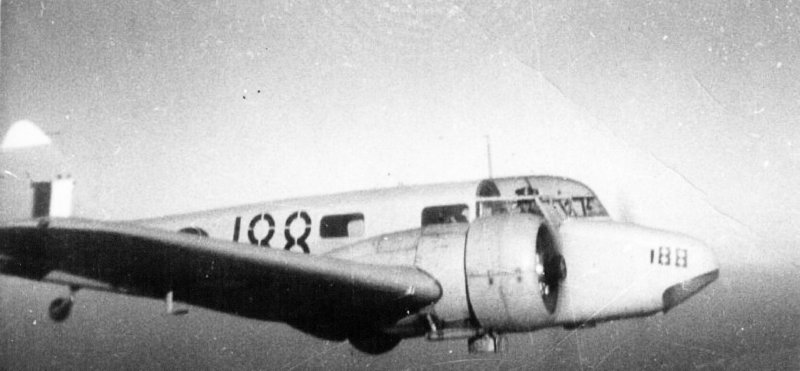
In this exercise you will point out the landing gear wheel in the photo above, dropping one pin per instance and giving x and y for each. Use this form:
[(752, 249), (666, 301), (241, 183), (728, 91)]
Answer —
[(487, 343), (373, 341), (60, 309)]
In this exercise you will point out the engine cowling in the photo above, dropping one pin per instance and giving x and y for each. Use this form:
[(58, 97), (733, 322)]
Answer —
[(508, 273), (498, 274), (514, 272)]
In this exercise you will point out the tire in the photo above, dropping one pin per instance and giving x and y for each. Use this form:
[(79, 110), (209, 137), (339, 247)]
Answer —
[(373, 342)]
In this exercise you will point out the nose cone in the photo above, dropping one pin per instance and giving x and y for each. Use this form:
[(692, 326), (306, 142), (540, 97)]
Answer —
[(705, 270), (621, 270), (679, 293)]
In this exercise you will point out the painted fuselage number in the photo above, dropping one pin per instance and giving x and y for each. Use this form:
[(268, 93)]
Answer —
[(668, 256), (269, 221)]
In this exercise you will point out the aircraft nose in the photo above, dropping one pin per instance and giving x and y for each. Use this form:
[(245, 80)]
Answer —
[(621, 270), (702, 264)]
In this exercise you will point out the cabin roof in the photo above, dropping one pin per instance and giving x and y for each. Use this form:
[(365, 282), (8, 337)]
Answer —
[(427, 193)]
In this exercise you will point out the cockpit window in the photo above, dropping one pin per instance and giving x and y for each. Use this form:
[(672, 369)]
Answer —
[(565, 207), (579, 207), (593, 207), (526, 204), (557, 198), (445, 214)]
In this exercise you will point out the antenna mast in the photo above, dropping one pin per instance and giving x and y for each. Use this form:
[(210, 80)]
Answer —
[(489, 154)]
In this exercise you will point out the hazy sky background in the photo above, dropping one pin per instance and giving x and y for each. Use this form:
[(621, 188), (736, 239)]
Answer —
[(168, 107), (681, 115)]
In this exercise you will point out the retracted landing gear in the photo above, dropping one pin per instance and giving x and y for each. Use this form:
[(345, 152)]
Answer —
[(487, 343), (60, 308), (373, 341), (171, 310)]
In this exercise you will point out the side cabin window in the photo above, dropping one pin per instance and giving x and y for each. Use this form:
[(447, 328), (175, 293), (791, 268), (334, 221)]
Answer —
[(445, 214), (343, 225)]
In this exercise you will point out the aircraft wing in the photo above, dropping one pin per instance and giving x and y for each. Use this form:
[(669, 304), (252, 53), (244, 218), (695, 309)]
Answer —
[(317, 294)]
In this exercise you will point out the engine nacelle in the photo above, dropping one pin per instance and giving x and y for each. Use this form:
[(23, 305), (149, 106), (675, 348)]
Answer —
[(498, 274), (514, 272), (514, 277), (508, 273)]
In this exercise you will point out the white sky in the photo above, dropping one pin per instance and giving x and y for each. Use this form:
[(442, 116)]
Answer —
[(163, 108)]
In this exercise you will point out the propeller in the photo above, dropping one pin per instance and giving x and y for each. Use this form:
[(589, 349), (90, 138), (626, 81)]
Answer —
[(551, 267)]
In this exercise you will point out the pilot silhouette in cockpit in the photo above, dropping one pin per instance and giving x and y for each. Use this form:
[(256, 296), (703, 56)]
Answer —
[(527, 206)]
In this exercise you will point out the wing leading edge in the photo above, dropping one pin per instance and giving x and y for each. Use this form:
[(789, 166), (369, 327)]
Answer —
[(324, 296)]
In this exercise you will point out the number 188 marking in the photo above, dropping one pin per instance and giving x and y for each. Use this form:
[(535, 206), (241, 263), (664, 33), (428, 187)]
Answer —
[(666, 256)]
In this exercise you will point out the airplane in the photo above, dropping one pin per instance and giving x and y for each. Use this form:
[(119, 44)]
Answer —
[(472, 260)]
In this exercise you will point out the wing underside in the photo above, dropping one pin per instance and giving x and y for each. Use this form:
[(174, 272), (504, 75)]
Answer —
[(317, 294)]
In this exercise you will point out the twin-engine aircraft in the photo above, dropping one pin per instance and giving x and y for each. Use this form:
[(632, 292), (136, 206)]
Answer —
[(468, 260)]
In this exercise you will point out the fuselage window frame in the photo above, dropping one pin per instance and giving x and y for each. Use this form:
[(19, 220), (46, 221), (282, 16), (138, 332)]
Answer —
[(445, 214), (349, 225)]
